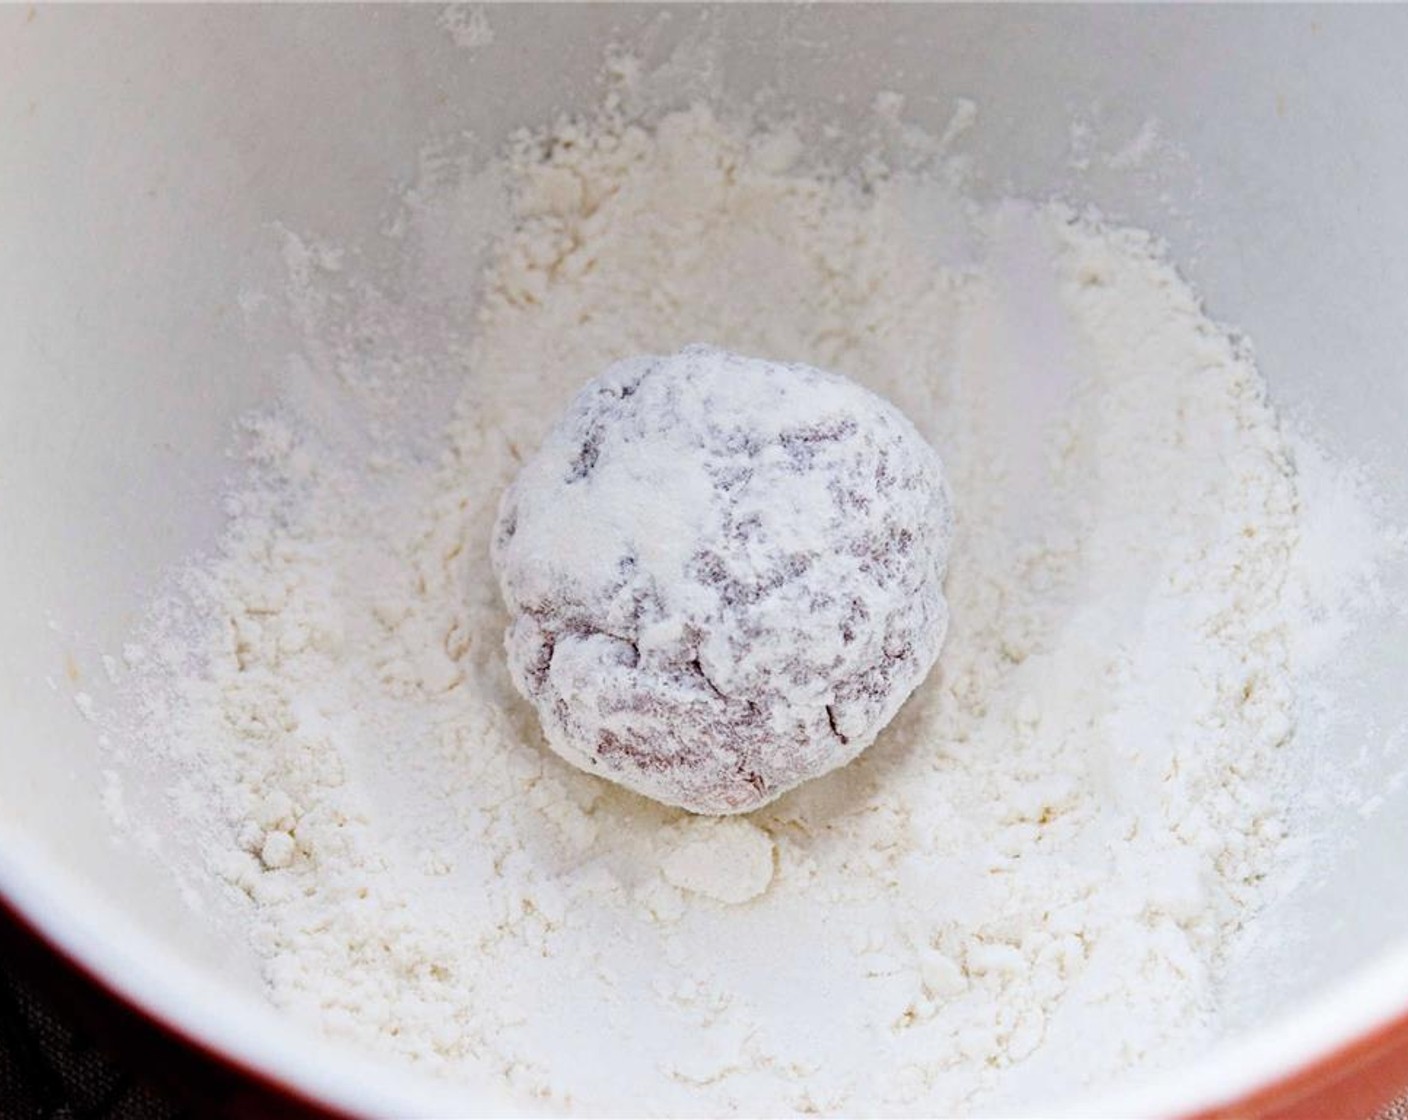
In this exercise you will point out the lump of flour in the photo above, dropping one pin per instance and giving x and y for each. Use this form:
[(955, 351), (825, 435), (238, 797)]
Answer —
[(724, 575)]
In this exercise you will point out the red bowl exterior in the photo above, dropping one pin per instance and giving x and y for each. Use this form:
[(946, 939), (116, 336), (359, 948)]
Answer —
[(1356, 1082)]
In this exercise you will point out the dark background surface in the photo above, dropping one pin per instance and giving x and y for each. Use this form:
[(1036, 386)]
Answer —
[(71, 1050), (52, 1070)]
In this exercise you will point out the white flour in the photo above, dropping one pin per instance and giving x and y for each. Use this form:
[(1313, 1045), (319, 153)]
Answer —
[(1026, 886)]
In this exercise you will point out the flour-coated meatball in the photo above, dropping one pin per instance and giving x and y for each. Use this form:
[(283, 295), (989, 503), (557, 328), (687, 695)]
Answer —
[(724, 575)]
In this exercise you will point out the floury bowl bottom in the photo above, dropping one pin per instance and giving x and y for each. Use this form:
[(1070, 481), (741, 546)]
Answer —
[(148, 153)]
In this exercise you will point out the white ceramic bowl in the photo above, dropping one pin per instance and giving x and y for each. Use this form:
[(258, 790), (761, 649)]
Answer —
[(144, 152)]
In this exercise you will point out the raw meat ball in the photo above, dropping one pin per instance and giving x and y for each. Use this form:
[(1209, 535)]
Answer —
[(724, 575)]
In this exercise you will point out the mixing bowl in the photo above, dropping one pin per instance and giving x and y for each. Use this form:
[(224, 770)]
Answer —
[(146, 154)]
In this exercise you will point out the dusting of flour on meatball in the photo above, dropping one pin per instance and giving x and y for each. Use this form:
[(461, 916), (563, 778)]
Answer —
[(724, 575)]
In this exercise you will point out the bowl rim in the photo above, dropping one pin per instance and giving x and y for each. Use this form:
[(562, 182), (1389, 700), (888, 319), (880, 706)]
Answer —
[(1358, 1027)]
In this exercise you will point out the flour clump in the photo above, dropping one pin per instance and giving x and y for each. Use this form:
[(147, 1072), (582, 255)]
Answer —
[(724, 575)]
